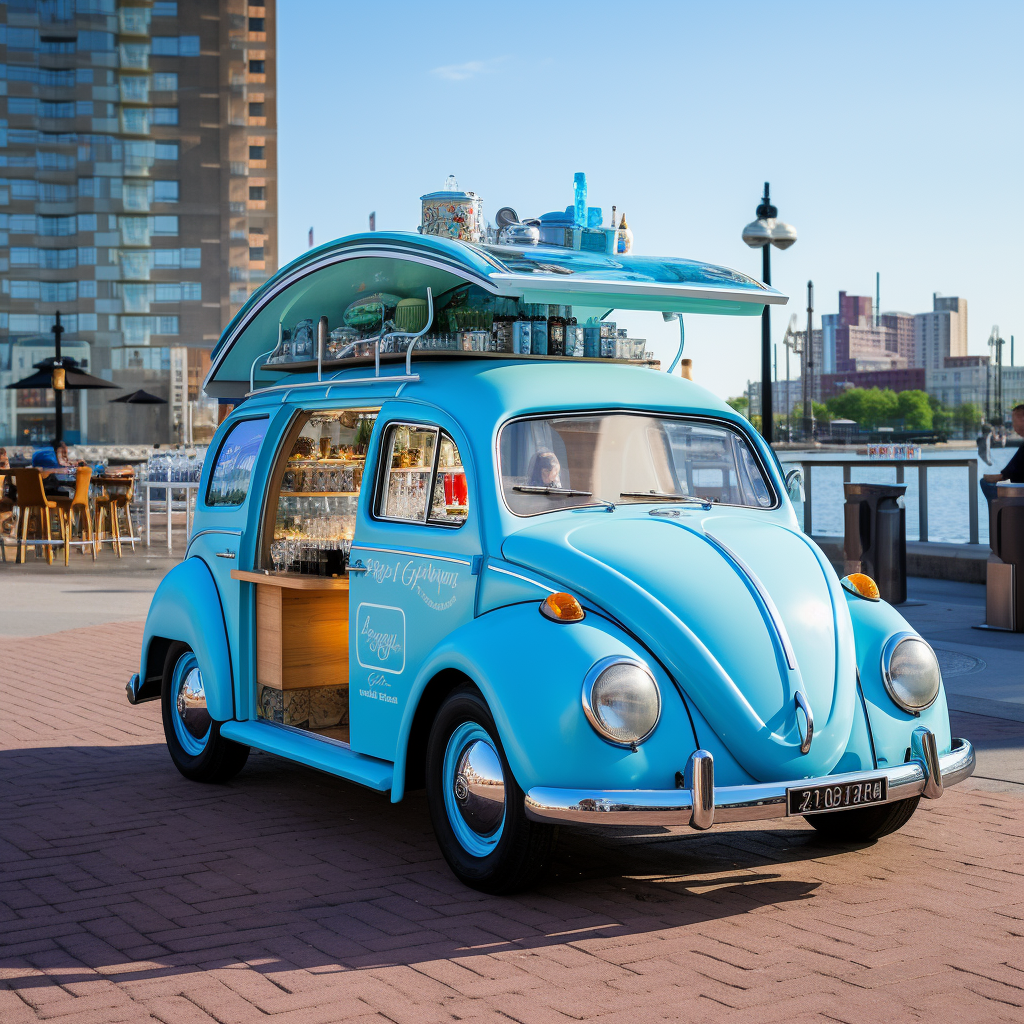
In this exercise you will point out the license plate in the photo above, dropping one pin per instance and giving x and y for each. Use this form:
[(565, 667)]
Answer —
[(821, 799)]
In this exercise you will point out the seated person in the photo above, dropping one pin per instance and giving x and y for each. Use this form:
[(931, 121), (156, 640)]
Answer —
[(54, 458), (1014, 471), (545, 471)]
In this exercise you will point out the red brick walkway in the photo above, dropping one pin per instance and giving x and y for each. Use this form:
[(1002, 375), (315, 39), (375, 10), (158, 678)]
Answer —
[(128, 894)]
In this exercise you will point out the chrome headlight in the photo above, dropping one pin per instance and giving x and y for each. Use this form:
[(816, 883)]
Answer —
[(911, 672), (621, 700)]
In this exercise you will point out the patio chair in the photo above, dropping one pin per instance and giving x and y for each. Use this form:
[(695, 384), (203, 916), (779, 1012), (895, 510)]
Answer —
[(66, 508), (114, 498), (31, 500)]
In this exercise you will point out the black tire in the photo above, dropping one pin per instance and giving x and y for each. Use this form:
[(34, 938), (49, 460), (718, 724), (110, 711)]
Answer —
[(865, 823), (521, 847), (216, 759)]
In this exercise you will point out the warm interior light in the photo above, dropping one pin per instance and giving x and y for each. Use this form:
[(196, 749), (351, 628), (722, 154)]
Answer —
[(58, 378), (861, 585), (562, 608)]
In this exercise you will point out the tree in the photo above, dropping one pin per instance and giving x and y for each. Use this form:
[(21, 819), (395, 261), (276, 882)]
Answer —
[(969, 417), (915, 410), (738, 404), (821, 412)]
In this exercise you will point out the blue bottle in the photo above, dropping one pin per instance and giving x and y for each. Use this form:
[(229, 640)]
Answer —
[(580, 205)]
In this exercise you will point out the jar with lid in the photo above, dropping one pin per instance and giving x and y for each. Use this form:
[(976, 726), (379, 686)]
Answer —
[(539, 331), (556, 330)]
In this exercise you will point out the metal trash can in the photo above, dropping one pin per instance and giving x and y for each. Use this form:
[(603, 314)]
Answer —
[(875, 540), (1004, 582)]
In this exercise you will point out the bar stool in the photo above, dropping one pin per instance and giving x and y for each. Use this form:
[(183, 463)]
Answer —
[(79, 501), (32, 498), (113, 498)]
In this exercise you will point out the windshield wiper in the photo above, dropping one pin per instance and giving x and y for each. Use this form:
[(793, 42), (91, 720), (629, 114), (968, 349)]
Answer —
[(565, 492), (704, 503)]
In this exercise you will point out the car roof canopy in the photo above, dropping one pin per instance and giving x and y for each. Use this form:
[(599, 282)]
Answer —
[(324, 281)]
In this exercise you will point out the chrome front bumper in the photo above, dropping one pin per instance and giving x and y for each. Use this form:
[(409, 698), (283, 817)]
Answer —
[(699, 803)]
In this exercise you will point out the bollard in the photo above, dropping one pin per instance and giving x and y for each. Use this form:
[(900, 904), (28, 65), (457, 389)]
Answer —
[(1004, 587)]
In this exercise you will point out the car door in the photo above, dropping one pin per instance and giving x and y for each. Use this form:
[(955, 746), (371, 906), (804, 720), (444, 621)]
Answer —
[(414, 568), (225, 498)]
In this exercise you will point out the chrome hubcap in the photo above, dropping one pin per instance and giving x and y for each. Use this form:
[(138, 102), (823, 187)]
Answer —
[(190, 702), (479, 788)]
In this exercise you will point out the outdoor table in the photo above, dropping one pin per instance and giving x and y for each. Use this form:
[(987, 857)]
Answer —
[(170, 486)]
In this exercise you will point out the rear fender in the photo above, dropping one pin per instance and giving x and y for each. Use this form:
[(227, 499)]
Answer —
[(186, 607), (530, 671), (891, 727)]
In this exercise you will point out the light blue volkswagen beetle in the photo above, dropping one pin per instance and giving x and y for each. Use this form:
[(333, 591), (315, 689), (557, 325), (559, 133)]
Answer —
[(456, 534)]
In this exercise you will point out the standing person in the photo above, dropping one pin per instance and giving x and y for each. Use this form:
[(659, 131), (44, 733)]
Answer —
[(1014, 471)]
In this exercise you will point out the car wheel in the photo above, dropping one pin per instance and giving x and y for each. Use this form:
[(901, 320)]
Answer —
[(476, 806), (196, 746), (865, 823)]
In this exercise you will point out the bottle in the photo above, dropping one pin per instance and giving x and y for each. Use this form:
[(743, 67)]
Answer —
[(613, 216), (556, 330), (539, 331), (521, 333), (624, 237), (579, 184), (501, 330)]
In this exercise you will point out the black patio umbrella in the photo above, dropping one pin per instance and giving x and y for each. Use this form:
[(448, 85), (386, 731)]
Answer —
[(62, 374), (140, 397)]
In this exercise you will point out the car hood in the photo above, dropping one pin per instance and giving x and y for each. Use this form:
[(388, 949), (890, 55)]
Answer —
[(743, 612)]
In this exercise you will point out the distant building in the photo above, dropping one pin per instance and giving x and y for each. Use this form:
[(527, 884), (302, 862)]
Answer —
[(903, 326), (941, 333), (973, 379), (854, 343), (952, 304), (138, 196)]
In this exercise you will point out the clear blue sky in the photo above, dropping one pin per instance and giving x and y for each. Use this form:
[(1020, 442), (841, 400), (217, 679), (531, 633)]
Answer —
[(890, 133)]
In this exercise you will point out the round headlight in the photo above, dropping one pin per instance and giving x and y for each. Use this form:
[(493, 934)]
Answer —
[(621, 700), (911, 672)]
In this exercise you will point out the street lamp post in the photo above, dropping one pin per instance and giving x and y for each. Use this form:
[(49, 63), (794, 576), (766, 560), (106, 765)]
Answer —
[(761, 234)]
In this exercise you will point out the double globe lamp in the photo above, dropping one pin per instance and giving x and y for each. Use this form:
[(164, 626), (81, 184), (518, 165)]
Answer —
[(762, 234)]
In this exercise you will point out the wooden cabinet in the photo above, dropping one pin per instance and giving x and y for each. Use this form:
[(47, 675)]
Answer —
[(301, 651)]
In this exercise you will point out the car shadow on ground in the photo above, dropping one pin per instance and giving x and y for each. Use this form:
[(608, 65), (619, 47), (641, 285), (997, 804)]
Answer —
[(115, 863)]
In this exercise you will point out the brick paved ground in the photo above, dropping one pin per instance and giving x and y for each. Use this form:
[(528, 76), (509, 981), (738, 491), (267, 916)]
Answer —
[(128, 893)]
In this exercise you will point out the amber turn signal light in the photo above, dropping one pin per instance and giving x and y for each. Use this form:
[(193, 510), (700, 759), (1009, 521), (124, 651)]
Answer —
[(861, 585), (561, 608)]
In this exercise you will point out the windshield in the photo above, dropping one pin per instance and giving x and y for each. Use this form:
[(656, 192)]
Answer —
[(566, 461)]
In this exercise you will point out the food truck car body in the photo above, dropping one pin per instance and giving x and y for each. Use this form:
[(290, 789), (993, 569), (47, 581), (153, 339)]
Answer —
[(577, 591)]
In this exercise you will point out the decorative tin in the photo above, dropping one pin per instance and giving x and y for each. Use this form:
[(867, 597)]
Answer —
[(453, 213)]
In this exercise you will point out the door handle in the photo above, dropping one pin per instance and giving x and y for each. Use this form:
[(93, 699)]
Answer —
[(356, 566), (225, 554)]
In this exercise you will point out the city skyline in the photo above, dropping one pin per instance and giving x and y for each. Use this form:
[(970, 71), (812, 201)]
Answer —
[(842, 115)]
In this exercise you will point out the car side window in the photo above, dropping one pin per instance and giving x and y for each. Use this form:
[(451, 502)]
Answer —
[(422, 477), (229, 481)]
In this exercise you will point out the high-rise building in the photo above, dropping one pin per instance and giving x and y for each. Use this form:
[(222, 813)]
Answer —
[(950, 303), (939, 335), (138, 196)]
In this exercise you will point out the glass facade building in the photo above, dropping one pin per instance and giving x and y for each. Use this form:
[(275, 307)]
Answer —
[(138, 196)]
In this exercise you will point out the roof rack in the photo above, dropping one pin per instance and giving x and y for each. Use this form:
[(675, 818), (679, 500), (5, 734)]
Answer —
[(377, 378)]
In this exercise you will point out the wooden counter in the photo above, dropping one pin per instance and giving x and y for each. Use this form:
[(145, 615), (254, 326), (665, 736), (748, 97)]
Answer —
[(301, 648)]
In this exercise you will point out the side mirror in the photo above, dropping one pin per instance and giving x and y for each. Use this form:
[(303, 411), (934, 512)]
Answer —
[(795, 485)]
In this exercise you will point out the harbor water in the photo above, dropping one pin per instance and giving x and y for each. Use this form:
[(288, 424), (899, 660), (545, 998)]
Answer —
[(947, 492)]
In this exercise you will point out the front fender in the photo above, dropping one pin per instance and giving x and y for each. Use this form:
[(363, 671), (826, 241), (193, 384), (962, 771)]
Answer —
[(186, 607), (530, 671), (891, 727)]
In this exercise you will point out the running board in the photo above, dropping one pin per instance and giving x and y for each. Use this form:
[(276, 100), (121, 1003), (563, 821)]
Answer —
[(313, 751)]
